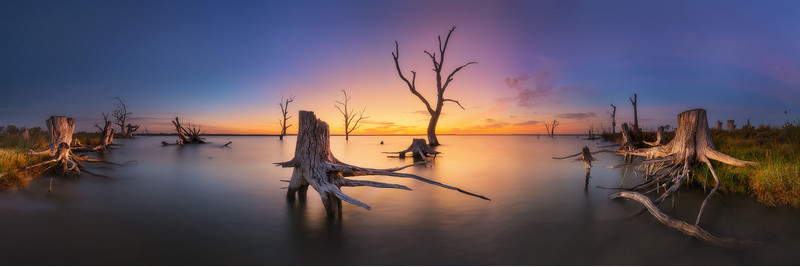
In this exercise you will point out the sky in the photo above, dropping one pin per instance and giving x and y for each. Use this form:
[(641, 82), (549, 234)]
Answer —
[(225, 65)]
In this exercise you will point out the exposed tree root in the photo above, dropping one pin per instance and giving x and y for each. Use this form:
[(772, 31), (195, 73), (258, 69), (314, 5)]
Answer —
[(668, 166), (314, 165)]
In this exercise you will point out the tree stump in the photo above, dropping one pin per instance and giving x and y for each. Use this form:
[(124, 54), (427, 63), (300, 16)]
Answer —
[(731, 126), (419, 150), (314, 165), (691, 147), (659, 138), (190, 135), (719, 125), (60, 129)]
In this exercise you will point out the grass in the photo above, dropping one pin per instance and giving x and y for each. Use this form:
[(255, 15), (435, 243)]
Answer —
[(774, 181), (15, 143)]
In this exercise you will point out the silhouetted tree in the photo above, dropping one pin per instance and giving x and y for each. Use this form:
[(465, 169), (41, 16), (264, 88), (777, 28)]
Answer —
[(634, 100), (441, 84), (613, 114), (121, 115), (284, 111), (551, 128), (350, 121)]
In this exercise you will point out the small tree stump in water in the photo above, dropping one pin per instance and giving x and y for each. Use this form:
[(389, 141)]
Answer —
[(691, 147), (189, 135), (419, 150), (314, 165)]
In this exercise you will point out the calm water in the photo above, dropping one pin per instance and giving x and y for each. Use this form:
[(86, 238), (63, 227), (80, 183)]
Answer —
[(206, 205)]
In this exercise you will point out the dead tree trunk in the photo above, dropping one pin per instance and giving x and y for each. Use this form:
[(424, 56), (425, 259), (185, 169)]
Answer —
[(719, 126), (284, 104), (419, 150), (634, 101), (586, 157), (613, 114), (106, 137), (315, 166), (130, 129), (189, 135), (691, 147), (731, 126), (659, 138), (441, 84), (60, 129)]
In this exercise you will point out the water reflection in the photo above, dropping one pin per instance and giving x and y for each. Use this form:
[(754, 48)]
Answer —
[(203, 204)]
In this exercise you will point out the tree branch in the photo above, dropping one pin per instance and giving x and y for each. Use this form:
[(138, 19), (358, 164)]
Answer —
[(411, 85), (456, 101)]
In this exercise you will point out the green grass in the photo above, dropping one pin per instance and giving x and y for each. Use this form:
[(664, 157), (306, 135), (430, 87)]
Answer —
[(774, 181), (15, 146)]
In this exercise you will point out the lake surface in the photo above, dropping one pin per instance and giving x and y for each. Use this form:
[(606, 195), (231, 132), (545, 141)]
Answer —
[(206, 205)]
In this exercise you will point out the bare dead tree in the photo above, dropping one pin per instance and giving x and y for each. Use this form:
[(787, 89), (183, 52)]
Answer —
[(284, 111), (634, 101), (120, 114), (350, 121), (551, 128), (613, 114), (441, 84), (188, 135)]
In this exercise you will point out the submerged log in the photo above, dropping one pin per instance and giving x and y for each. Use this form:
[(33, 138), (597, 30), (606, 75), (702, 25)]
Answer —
[(671, 164), (190, 135), (419, 150), (314, 165)]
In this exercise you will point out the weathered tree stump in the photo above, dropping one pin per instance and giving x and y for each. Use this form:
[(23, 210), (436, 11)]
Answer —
[(719, 125), (731, 125), (60, 129), (691, 147), (419, 150), (106, 138), (586, 157), (314, 165), (189, 135), (659, 138)]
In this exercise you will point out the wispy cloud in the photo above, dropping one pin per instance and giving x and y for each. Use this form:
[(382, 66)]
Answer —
[(577, 116), (527, 123)]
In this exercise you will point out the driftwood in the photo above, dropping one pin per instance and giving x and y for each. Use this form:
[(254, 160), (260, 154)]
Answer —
[(190, 135), (419, 150), (314, 165), (671, 164), (660, 141)]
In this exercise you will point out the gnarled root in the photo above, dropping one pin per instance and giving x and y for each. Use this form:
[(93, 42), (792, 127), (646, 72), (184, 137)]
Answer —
[(692, 230), (419, 149)]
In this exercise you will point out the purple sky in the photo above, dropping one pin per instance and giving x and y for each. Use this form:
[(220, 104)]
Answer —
[(226, 64)]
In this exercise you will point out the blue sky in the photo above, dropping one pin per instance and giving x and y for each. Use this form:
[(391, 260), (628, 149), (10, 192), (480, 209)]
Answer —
[(226, 64)]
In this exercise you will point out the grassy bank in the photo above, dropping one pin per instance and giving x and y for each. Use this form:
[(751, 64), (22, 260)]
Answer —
[(15, 147), (775, 181)]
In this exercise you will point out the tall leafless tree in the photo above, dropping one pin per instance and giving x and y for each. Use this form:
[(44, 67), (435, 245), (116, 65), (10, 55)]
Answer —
[(285, 110), (613, 114), (121, 115), (441, 84), (634, 100), (350, 121)]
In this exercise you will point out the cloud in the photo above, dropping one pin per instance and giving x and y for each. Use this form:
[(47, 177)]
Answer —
[(384, 123), (577, 116), (527, 97), (527, 123)]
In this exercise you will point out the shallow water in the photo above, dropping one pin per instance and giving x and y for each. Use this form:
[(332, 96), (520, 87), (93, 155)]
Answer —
[(206, 205)]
